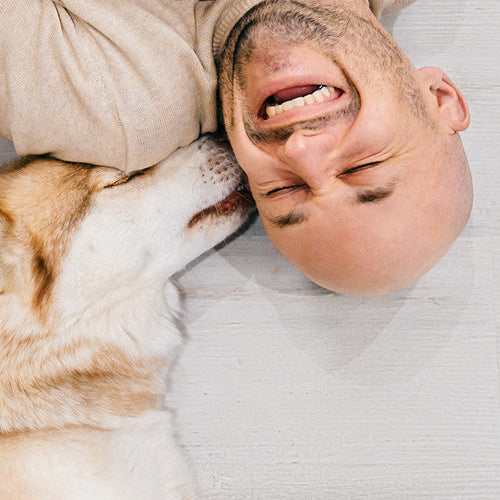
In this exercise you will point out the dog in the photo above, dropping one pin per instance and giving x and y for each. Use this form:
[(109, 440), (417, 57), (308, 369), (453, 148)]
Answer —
[(89, 318)]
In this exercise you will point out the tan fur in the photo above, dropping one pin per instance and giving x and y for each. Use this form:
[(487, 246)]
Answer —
[(43, 229), (80, 382), (84, 378), (27, 483), (83, 366)]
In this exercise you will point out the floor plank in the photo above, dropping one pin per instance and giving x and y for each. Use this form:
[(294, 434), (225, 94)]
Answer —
[(287, 392)]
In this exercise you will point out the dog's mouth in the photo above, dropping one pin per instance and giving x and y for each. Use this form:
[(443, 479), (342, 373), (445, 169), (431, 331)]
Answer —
[(240, 199)]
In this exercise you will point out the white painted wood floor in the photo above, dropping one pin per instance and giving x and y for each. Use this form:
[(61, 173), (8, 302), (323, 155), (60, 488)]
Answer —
[(286, 391)]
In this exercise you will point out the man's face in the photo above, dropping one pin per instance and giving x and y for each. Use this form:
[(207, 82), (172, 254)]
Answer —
[(326, 117)]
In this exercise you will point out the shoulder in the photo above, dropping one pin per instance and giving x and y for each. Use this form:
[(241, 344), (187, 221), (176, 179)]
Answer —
[(380, 7)]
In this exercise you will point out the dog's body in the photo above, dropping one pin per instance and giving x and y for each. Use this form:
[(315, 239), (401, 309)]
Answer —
[(88, 319)]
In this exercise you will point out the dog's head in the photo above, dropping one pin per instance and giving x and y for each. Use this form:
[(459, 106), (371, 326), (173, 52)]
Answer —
[(72, 236)]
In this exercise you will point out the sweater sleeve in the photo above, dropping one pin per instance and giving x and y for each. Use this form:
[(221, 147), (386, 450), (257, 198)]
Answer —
[(110, 83), (237, 8), (381, 7)]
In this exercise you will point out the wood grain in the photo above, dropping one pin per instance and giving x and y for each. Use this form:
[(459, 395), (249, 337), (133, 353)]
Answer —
[(287, 392)]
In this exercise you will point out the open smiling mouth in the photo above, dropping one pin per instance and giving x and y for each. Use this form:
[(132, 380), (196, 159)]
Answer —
[(297, 97)]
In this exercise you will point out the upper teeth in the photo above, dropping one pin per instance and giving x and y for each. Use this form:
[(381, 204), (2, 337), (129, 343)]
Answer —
[(317, 97)]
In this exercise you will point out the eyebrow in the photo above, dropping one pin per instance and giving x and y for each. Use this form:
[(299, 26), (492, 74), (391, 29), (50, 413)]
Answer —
[(374, 195), (295, 217), (292, 218)]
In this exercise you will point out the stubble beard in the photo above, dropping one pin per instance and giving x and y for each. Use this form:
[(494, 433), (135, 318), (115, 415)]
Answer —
[(334, 31)]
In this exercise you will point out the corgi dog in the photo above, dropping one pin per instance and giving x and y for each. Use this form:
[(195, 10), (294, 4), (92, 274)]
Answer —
[(89, 318)]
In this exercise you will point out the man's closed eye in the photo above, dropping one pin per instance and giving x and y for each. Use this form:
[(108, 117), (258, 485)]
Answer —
[(284, 189)]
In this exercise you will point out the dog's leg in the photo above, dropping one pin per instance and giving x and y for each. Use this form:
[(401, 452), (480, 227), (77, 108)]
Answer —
[(147, 459), (137, 459)]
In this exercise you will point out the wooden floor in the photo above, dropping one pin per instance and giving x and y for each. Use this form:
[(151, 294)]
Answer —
[(286, 391)]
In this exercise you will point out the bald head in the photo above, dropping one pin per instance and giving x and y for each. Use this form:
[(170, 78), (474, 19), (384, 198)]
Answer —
[(352, 154), (391, 235)]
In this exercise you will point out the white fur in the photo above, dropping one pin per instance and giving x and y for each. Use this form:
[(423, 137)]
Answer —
[(114, 287)]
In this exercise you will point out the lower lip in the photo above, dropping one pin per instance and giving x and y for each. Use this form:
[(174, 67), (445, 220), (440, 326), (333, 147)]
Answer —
[(235, 201)]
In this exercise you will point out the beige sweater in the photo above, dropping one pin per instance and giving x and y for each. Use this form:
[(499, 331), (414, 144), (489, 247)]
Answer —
[(122, 83)]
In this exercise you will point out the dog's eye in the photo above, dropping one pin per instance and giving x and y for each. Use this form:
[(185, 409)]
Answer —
[(125, 179)]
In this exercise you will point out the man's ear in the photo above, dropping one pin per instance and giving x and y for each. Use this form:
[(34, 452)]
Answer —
[(450, 102)]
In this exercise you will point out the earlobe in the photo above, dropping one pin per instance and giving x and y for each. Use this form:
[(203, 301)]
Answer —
[(450, 102)]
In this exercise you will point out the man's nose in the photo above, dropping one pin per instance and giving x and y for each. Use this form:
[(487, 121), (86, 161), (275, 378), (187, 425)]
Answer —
[(309, 155)]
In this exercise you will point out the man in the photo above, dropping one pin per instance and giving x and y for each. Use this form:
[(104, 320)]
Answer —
[(352, 154), (126, 83)]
